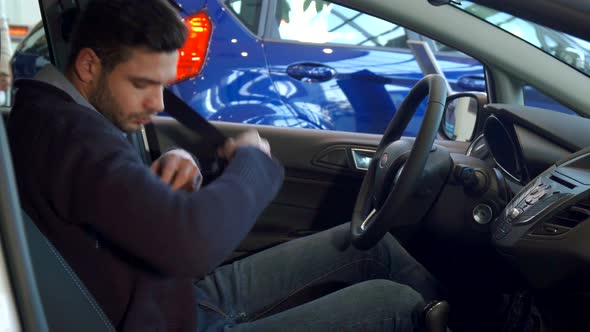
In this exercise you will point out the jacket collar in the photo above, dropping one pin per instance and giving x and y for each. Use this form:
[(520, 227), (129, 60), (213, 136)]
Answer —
[(50, 75)]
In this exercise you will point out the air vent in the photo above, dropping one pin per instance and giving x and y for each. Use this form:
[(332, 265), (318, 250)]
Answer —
[(573, 215), (562, 182)]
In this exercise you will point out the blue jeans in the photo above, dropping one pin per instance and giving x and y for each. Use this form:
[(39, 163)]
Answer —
[(384, 286)]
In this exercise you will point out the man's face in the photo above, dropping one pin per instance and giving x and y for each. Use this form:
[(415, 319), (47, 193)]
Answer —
[(132, 93)]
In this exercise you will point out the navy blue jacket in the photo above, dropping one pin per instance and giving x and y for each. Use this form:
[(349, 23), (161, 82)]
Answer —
[(136, 244)]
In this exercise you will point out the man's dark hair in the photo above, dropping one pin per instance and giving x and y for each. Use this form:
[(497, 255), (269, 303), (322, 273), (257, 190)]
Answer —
[(112, 27)]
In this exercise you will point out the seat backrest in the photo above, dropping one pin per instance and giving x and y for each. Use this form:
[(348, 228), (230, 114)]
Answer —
[(48, 293), (68, 305), (15, 251)]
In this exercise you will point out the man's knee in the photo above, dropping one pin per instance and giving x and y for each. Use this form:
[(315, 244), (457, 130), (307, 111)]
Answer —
[(388, 301), (401, 298), (390, 252)]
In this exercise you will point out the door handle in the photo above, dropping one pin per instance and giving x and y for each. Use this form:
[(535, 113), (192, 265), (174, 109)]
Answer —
[(362, 158), (311, 72)]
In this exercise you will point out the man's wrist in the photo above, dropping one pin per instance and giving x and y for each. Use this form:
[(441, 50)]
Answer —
[(195, 159)]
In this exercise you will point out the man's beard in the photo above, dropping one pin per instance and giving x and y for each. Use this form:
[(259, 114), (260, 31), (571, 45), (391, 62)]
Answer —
[(103, 100)]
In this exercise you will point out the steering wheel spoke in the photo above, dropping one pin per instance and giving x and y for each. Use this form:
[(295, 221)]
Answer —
[(368, 220)]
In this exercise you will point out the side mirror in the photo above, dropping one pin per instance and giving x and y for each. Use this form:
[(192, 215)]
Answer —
[(461, 115)]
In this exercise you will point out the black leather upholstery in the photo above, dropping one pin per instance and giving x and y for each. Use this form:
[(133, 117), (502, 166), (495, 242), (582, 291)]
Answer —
[(68, 305), (48, 293)]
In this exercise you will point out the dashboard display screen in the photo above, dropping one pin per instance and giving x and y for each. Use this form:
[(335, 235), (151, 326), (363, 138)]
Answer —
[(502, 147)]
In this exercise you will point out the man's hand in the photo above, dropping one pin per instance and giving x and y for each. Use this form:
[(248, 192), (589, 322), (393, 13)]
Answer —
[(249, 138), (178, 168)]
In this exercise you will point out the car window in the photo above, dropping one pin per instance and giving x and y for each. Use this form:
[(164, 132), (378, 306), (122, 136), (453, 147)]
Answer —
[(357, 69), (36, 42), (248, 12), (323, 22)]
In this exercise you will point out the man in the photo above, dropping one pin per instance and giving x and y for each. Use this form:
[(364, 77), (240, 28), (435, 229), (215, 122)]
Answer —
[(147, 243)]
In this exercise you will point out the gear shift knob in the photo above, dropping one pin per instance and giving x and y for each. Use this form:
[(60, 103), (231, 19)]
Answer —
[(436, 316)]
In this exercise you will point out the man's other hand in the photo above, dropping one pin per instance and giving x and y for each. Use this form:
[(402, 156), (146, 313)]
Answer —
[(249, 138), (178, 168)]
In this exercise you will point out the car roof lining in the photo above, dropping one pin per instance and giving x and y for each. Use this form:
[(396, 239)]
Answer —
[(550, 13)]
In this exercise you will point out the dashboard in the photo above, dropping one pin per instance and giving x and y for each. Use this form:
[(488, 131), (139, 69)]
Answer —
[(544, 230)]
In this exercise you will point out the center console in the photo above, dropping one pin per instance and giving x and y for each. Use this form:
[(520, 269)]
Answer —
[(544, 229)]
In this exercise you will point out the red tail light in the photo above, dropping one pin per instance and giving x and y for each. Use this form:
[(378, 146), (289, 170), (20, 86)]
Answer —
[(191, 56), (18, 31)]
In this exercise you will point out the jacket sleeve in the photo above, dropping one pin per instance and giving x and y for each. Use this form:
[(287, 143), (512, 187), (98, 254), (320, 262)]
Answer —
[(175, 232)]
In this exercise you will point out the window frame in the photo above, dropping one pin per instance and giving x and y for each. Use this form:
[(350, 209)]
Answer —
[(262, 20)]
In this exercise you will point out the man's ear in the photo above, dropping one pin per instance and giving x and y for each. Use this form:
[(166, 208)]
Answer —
[(87, 66)]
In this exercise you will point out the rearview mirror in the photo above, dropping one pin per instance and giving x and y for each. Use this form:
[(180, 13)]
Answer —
[(460, 116)]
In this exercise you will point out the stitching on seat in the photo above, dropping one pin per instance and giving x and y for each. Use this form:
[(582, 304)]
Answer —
[(93, 303)]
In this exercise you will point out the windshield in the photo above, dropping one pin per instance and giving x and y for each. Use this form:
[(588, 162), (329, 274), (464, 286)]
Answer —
[(569, 49)]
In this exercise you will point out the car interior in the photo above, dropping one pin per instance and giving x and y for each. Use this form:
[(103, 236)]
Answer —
[(500, 217)]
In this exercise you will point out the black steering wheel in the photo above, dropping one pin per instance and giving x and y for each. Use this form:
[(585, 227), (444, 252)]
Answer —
[(387, 191)]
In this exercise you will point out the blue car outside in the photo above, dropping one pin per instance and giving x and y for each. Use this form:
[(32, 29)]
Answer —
[(259, 67)]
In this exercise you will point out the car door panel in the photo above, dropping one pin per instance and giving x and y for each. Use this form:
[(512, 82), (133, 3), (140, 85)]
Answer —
[(314, 196)]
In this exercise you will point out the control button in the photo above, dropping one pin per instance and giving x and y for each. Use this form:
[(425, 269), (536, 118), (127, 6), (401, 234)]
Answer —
[(530, 200), (502, 231), (515, 213), (508, 209), (532, 211), (482, 214), (499, 235), (539, 194)]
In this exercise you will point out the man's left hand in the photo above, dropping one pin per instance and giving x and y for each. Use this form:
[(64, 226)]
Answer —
[(178, 168)]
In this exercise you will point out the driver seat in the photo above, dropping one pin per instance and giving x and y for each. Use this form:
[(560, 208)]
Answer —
[(48, 296), (68, 305)]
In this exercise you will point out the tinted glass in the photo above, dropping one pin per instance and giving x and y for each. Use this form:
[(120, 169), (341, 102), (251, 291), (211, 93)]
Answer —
[(248, 11)]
